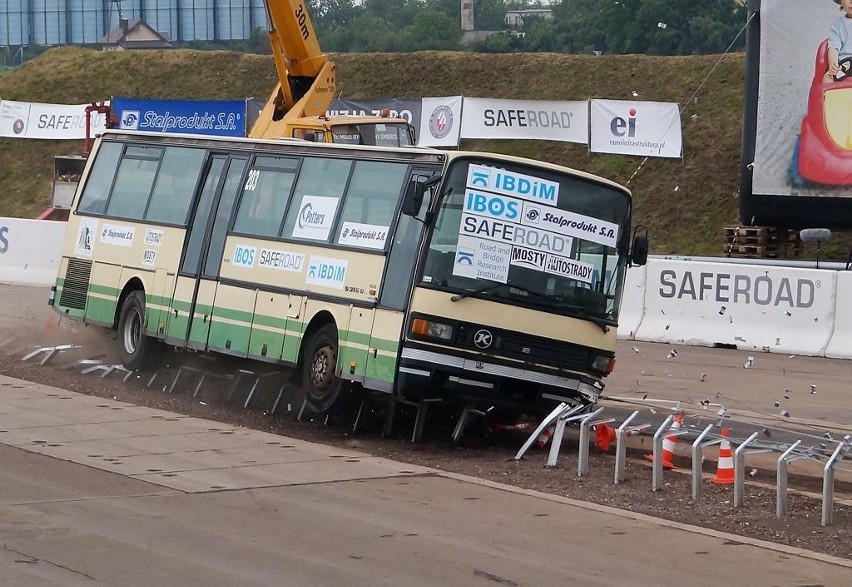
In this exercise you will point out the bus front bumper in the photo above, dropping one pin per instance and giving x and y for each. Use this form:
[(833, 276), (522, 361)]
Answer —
[(425, 373)]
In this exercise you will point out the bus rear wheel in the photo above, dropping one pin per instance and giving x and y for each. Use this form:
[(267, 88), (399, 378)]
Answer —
[(320, 382), (136, 350)]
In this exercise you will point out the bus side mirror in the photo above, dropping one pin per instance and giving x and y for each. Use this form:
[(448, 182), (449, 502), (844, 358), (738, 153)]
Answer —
[(639, 253), (413, 198)]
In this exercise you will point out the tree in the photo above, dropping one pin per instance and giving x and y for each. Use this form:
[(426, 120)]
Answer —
[(433, 30)]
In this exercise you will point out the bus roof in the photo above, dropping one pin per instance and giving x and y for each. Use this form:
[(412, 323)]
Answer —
[(424, 154)]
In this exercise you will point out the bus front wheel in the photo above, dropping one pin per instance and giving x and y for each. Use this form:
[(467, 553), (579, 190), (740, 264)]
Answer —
[(320, 382), (135, 349)]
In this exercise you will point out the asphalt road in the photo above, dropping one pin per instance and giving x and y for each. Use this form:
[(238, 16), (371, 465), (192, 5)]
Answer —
[(95, 490)]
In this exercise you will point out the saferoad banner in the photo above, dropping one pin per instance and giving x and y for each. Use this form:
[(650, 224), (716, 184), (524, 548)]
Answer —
[(440, 122), (485, 118), (648, 129), (803, 142), (33, 120), (226, 118)]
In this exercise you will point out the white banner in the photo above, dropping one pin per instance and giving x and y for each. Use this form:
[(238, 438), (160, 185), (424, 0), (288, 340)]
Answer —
[(32, 120), (485, 118), (649, 129), (440, 121), (30, 250)]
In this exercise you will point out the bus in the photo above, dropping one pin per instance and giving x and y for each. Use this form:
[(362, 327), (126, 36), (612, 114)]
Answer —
[(406, 272)]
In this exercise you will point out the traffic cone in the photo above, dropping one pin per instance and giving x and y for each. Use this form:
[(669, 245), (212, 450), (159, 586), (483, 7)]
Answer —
[(725, 466), (545, 437), (604, 436), (669, 445), (519, 427)]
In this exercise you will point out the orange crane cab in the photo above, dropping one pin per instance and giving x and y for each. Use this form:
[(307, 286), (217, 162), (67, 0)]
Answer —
[(306, 85)]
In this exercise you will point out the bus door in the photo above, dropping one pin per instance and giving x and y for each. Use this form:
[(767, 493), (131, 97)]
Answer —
[(196, 284), (393, 300)]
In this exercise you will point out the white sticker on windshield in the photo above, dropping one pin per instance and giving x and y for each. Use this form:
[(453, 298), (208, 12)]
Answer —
[(569, 268), (529, 258), (510, 183), (570, 224), (482, 259)]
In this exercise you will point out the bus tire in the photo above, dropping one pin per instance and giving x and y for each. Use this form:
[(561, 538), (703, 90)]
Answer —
[(136, 350), (320, 382)]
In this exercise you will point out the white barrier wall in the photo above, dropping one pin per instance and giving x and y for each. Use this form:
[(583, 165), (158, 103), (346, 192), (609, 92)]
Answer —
[(762, 308), (632, 303), (30, 250), (840, 345)]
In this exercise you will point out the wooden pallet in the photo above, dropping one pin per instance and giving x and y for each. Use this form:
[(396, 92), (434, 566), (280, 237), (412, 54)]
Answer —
[(762, 242)]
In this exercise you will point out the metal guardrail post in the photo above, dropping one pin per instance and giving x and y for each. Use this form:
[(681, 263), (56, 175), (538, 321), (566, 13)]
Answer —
[(739, 470), (657, 474), (621, 448), (698, 460), (544, 424), (585, 425), (828, 484), (781, 480), (556, 443)]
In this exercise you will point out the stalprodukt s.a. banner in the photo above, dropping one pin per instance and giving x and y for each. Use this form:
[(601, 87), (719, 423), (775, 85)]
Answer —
[(649, 129), (35, 120), (225, 118)]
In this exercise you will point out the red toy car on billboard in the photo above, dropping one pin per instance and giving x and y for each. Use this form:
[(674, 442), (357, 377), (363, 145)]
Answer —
[(823, 152)]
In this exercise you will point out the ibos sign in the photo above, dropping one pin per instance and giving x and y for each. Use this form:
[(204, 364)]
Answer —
[(492, 205), (244, 256)]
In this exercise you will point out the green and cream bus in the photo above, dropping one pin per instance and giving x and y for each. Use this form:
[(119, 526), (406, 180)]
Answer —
[(416, 272)]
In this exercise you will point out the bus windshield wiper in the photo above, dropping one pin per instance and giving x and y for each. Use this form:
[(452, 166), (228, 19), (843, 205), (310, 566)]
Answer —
[(485, 288), (578, 312)]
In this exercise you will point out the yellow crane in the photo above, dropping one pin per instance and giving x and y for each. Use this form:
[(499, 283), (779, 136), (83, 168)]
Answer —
[(306, 85)]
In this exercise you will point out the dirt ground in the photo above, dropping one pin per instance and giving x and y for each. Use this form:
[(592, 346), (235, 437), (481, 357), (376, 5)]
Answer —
[(480, 452)]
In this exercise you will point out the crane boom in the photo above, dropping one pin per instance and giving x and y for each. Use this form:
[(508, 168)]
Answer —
[(306, 85)]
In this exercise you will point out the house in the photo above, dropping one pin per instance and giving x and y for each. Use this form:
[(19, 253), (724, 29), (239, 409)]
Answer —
[(515, 18), (134, 34)]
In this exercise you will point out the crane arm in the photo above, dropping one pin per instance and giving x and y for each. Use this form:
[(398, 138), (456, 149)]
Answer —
[(306, 82)]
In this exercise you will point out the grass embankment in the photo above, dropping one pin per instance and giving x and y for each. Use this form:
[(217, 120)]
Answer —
[(684, 202)]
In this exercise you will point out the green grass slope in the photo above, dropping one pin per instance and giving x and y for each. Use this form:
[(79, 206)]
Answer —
[(685, 202)]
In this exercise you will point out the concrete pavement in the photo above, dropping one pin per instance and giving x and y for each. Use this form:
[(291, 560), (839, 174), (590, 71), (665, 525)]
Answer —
[(98, 490)]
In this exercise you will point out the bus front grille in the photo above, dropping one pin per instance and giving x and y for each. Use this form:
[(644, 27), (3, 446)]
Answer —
[(76, 284)]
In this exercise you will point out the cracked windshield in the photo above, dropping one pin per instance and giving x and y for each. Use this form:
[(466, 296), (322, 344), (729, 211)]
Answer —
[(529, 236)]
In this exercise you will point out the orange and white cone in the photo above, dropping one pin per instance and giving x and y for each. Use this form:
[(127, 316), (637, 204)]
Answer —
[(545, 436), (669, 445), (725, 467), (519, 427)]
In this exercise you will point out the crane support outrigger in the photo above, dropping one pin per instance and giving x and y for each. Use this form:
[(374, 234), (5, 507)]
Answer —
[(299, 103)]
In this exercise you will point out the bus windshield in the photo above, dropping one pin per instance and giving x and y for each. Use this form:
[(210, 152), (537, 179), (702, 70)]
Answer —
[(530, 236), (381, 134)]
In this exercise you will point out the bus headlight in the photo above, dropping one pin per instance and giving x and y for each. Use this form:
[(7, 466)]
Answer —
[(423, 327), (603, 363)]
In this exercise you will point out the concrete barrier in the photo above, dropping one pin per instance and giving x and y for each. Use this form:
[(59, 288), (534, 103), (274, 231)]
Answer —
[(632, 303), (840, 345), (762, 308), (30, 250)]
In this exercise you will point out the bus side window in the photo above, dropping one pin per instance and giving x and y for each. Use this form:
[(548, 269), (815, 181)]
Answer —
[(98, 183), (175, 185)]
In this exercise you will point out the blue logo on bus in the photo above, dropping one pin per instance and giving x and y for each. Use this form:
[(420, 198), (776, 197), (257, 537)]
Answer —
[(244, 256)]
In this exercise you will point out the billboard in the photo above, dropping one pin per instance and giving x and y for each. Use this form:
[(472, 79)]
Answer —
[(797, 136), (225, 118)]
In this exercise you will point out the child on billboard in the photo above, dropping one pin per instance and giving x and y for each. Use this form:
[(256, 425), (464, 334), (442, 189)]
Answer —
[(840, 44)]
